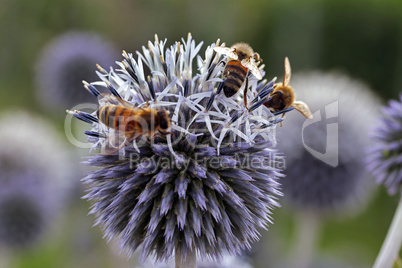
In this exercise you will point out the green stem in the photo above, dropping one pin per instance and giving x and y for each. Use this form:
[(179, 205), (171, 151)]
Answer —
[(307, 230), (390, 248), (189, 262), (6, 259)]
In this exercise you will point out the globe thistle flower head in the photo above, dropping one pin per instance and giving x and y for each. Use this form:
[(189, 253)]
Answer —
[(324, 167), (34, 179), (204, 186), (63, 63), (384, 159)]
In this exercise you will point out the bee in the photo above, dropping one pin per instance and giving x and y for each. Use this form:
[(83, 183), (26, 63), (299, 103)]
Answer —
[(130, 122), (242, 61), (283, 97)]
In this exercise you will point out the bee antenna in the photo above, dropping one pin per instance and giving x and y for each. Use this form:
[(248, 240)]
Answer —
[(257, 57)]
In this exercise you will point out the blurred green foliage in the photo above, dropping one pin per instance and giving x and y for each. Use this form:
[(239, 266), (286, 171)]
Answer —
[(362, 38)]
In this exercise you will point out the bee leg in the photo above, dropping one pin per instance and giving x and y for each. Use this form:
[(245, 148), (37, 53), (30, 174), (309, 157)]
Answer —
[(283, 115), (245, 93)]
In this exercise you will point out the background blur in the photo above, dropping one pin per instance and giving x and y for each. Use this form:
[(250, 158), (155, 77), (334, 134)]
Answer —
[(362, 38)]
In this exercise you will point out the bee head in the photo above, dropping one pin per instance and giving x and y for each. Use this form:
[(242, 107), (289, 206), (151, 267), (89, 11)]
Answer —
[(164, 121), (243, 51), (281, 98)]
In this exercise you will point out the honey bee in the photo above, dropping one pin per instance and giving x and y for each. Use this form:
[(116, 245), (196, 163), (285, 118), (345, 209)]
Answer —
[(283, 97), (130, 122), (242, 60)]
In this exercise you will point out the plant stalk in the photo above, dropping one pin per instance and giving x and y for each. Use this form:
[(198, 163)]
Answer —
[(307, 233), (392, 243), (190, 260)]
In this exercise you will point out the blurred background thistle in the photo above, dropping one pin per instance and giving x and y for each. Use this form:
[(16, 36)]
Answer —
[(325, 170), (360, 38), (64, 62), (34, 190), (332, 177), (384, 161)]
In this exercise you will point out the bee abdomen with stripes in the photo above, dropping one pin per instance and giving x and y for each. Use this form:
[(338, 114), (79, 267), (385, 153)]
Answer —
[(134, 122)]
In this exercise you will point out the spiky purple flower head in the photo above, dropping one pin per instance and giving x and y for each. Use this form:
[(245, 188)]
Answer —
[(63, 63), (325, 169), (384, 159), (205, 188), (35, 178)]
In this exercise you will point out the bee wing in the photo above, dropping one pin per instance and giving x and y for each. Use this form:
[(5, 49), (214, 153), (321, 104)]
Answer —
[(303, 109), (113, 143), (287, 72), (231, 52), (252, 66), (107, 98)]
